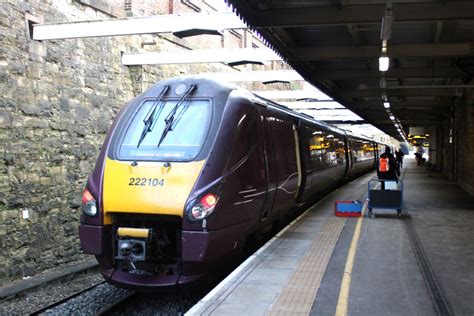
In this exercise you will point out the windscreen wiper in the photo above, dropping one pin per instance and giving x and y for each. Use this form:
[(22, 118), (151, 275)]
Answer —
[(149, 119), (170, 119)]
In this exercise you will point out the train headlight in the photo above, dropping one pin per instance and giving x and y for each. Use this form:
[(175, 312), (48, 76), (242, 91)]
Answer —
[(202, 207), (89, 205)]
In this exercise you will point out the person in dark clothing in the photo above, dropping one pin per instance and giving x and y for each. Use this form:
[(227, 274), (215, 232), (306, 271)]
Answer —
[(399, 156), (387, 167), (418, 159)]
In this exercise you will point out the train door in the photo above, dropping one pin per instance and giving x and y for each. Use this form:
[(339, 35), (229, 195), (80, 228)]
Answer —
[(285, 160), (269, 156), (348, 157), (376, 152), (350, 153), (302, 159)]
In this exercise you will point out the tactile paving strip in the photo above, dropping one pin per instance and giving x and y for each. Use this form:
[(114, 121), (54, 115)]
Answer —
[(298, 295)]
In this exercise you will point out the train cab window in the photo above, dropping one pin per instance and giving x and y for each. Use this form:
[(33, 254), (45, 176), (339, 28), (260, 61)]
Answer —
[(182, 141)]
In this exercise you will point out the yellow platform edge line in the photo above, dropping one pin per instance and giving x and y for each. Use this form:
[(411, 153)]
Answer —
[(343, 300)]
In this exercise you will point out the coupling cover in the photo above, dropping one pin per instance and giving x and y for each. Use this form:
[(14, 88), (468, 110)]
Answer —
[(133, 232)]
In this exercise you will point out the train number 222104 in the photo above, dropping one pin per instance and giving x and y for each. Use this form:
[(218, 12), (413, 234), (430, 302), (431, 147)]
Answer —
[(154, 182)]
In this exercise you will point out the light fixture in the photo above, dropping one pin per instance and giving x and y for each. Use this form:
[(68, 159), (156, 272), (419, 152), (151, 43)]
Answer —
[(386, 105), (383, 63), (392, 117), (275, 81), (307, 99), (196, 31), (244, 62), (387, 20)]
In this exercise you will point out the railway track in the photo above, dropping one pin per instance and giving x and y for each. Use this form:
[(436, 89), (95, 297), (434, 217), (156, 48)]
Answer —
[(64, 300), (108, 310), (10, 292)]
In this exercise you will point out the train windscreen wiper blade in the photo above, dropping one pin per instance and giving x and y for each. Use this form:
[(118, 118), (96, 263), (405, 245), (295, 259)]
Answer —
[(150, 117), (170, 119)]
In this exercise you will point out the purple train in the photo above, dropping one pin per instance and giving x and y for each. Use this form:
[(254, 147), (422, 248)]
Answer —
[(193, 169)]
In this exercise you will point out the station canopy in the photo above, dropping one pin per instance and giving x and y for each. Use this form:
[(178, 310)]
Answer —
[(424, 47)]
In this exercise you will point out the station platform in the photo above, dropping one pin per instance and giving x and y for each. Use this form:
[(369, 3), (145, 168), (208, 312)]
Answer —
[(421, 264)]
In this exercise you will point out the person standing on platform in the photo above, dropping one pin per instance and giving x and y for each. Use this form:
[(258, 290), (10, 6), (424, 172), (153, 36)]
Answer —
[(399, 156), (387, 167), (419, 155)]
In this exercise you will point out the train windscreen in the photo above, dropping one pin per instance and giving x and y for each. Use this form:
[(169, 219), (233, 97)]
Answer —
[(168, 131)]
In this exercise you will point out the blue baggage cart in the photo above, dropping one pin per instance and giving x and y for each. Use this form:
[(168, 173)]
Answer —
[(385, 194)]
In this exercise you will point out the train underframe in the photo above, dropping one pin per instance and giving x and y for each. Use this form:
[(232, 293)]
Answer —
[(167, 258)]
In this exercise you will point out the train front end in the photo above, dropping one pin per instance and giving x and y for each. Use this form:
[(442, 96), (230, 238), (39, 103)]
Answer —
[(143, 205)]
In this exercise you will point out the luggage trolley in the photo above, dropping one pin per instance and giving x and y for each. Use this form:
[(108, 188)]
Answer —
[(389, 198)]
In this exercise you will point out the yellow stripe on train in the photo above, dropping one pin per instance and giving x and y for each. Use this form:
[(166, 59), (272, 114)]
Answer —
[(147, 188)]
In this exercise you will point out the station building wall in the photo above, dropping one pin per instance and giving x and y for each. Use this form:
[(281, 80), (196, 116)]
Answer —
[(57, 101), (464, 142), (455, 143)]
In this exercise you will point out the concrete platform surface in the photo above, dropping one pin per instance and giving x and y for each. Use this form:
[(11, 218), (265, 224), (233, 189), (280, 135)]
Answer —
[(422, 264)]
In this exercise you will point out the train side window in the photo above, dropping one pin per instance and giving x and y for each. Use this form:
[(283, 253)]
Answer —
[(251, 135), (335, 154), (363, 150), (245, 140), (317, 148), (369, 150)]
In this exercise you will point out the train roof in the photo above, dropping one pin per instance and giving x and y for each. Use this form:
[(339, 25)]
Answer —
[(255, 97), (310, 119)]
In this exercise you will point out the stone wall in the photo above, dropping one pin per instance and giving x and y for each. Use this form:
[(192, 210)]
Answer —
[(57, 101)]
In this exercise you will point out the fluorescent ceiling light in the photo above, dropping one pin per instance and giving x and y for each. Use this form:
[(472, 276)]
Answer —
[(383, 63), (386, 105)]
